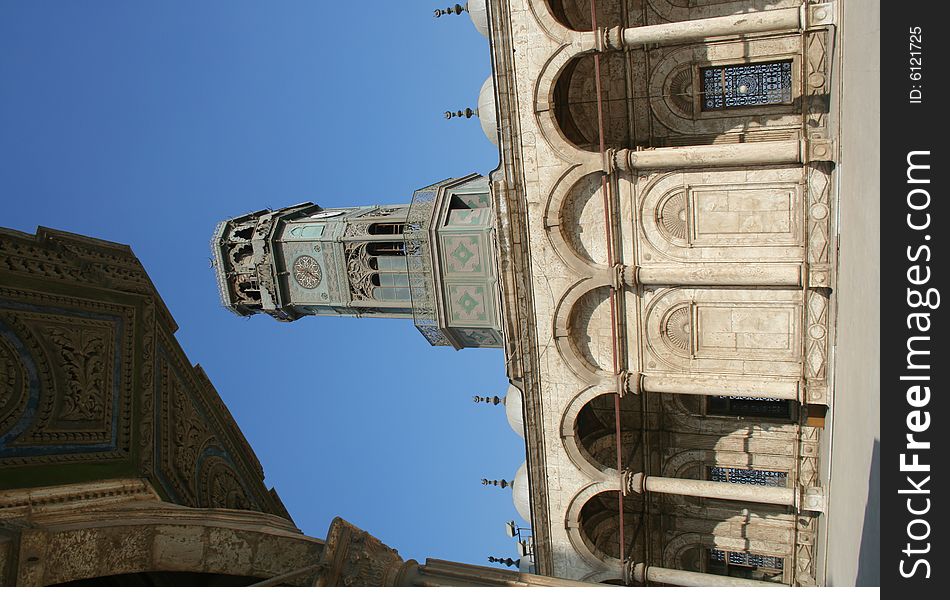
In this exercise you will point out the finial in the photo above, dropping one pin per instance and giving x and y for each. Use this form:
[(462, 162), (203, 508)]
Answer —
[(488, 400), (496, 482), (457, 10), (505, 561), (468, 113)]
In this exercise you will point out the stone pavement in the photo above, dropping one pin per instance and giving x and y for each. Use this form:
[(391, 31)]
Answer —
[(850, 537)]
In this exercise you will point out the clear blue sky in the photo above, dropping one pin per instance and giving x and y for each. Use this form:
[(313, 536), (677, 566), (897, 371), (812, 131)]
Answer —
[(146, 122)]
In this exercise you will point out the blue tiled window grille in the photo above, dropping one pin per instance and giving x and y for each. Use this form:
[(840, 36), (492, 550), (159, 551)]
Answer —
[(748, 406), (737, 86), (745, 559), (749, 476)]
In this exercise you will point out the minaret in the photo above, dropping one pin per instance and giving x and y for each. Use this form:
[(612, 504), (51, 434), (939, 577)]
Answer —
[(432, 260)]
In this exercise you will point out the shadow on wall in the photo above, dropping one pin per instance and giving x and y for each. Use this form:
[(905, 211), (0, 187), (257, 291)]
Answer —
[(869, 558)]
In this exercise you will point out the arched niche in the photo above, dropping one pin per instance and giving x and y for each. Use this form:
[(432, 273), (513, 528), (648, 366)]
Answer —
[(574, 98), (595, 430), (599, 525), (582, 329), (675, 91), (590, 333)]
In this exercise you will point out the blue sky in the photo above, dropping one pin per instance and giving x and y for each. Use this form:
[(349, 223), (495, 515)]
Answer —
[(145, 123)]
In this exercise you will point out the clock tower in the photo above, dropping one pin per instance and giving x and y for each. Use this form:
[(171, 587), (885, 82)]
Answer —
[(432, 261)]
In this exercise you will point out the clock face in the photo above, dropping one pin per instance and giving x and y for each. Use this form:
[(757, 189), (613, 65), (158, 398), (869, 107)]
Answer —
[(307, 271)]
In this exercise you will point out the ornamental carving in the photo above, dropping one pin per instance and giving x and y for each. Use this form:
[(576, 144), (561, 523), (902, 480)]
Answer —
[(191, 435), (81, 354), (220, 487), (355, 558), (671, 216), (357, 229), (681, 91), (11, 384), (359, 271), (676, 330), (307, 271)]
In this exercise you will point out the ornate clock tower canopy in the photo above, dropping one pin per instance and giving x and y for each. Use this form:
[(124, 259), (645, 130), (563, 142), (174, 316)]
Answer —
[(431, 260)]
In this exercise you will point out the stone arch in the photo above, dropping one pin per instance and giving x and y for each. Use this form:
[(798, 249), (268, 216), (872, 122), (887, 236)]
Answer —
[(578, 222), (598, 529), (589, 428), (572, 523), (575, 14), (574, 102), (605, 577), (544, 103), (549, 22), (581, 328), (156, 537), (561, 225), (578, 456), (679, 545)]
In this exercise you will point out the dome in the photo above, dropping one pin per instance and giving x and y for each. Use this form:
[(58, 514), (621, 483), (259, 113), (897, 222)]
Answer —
[(486, 111), (513, 410), (478, 11), (519, 493)]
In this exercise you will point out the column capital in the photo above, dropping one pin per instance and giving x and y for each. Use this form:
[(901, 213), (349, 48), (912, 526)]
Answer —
[(353, 557), (618, 278), (629, 382), (818, 150), (811, 499), (631, 483), (815, 16), (610, 38)]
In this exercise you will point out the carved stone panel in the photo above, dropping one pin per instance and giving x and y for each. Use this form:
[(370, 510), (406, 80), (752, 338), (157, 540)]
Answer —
[(66, 382), (722, 216), (725, 330)]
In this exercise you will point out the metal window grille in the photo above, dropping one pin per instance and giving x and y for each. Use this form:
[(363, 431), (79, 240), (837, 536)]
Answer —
[(736, 86), (748, 406), (749, 476), (745, 559)]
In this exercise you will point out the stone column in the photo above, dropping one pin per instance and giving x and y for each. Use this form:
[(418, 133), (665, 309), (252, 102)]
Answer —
[(743, 154), (642, 573), (714, 274), (665, 34), (717, 385), (638, 483)]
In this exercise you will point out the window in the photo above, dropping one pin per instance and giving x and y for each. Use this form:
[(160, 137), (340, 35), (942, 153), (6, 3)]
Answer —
[(386, 228), (749, 476), (386, 249), (392, 281), (748, 406), (737, 86), (745, 565)]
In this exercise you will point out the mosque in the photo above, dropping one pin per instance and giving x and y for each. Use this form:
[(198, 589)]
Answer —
[(655, 253)]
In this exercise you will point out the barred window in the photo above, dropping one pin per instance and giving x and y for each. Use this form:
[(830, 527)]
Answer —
[(745, 565), (736, 86), (749, 476), (748, 406)]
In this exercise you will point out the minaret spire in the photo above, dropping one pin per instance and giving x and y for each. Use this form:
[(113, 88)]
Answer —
[(452, 10)]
